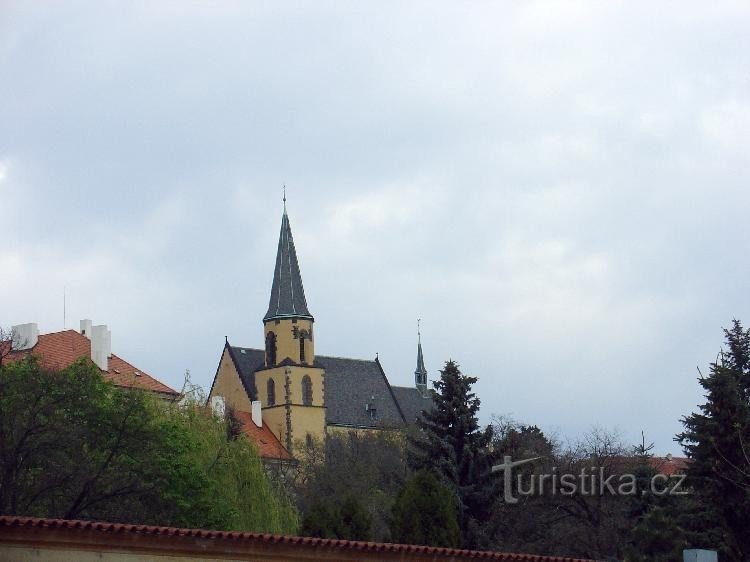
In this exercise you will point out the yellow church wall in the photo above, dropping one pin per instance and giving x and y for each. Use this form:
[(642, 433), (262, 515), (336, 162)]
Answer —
[(303, 419), (307, 419), (275, 418), (229, 385), (279, 374), (286, 344), (393, 434)]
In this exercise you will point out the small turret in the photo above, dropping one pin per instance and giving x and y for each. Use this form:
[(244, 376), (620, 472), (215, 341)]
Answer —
[(420, 374)]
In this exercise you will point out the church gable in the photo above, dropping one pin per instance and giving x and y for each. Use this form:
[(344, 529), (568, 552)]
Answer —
[(232, 382)]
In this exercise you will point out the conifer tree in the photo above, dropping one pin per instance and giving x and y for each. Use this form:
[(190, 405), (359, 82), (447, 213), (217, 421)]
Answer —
[(717, 439), (425, 513), (453, 446)]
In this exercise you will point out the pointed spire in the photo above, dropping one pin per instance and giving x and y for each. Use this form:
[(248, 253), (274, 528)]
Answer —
[(420, 374), (287, 293)]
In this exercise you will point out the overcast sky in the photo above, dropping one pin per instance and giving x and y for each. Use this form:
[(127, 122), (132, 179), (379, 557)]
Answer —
[(559, 190)]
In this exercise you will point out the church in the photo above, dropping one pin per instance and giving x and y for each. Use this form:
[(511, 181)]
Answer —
[(296, 396)]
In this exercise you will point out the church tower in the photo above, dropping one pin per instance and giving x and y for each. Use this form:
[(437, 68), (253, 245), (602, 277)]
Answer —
[(290, 385), (420, 374)]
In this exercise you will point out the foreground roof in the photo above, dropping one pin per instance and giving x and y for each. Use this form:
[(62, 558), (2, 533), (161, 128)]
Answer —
[(350, 385), (169, 541), (59, 350)]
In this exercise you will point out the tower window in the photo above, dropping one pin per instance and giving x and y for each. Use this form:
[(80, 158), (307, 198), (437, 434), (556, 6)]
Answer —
[(302, 336), (271, 390), (270, 349), (307, 397)]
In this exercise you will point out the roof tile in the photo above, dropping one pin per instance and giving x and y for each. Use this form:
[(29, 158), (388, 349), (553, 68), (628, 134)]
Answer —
[(58, 350)]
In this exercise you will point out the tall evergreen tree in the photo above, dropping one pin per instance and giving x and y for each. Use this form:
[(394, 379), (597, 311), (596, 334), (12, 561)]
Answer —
[(717, 439), (453, 446)]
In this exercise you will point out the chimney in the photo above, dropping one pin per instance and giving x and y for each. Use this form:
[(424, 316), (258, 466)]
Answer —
[(86, 328), (698, 555), (24, 336), (257, 413), (218, 407), (101, 343)]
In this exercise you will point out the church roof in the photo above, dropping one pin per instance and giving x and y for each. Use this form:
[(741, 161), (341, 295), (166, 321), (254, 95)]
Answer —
[(287, 293), (412, 402), (353, 386), (350, 386)]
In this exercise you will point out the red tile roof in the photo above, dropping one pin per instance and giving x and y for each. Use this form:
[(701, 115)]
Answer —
[(59, 349), (669, 466), (61, 533), (269, 446)]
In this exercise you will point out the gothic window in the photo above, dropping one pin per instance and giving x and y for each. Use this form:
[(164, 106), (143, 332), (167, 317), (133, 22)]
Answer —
[(307, 397), (270, 349), (271, 389), (302, 336)]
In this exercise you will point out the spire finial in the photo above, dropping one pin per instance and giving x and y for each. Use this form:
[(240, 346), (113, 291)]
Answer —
[(283, 187), (419, 332)]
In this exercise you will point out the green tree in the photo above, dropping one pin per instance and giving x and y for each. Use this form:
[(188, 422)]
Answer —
[(367, 466), (425, 513), (452, 445), (349, 521), (74, 446), (717, 440)]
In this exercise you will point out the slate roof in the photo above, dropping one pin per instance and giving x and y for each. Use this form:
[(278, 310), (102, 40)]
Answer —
[(60, 349), (350, 385), (287, 293), (412, 402)]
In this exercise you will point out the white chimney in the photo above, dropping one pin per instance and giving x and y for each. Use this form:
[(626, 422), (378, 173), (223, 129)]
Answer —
[(101, 341), (86, 328), (218, 406), (256, 413), (24, 336), (698, 555)]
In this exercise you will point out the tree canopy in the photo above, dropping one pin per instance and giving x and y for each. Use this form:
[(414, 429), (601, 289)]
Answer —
[(74, 446)]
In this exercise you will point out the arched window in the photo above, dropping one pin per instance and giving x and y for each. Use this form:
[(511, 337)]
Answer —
[(270, 349), (307, 398), (271, 388)]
